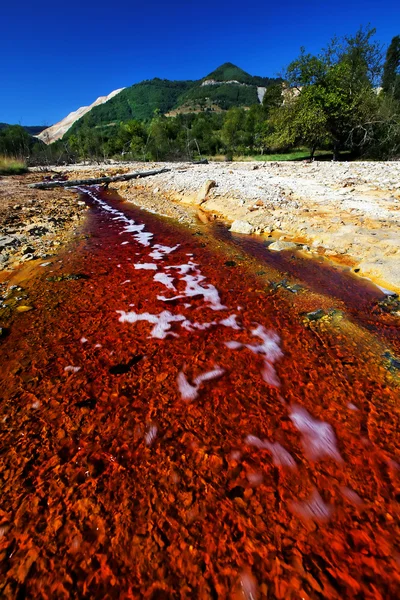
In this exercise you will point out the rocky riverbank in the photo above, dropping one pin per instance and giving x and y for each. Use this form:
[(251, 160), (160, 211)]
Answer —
[(349, 212), (33, 223)]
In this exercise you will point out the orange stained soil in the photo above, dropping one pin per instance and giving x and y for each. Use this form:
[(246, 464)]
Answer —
[(173, 426)]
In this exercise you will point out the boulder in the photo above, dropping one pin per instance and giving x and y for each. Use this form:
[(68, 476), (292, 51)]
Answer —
[(205, 188), (242, 227), (278, 246)]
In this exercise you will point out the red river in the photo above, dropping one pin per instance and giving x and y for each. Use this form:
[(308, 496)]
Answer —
[(174, 425)]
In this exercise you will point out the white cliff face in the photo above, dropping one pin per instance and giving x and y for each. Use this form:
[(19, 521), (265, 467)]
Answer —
[(55, 132), (261, 93)]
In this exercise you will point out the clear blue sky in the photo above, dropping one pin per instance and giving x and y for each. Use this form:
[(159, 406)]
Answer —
[(57, 56)]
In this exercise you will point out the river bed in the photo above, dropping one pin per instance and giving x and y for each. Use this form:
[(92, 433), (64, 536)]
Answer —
[(186, 415)]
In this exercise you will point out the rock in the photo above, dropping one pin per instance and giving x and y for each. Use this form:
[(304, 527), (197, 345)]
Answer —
[(278, 246), (241, 227), (205, 188), (202, 216), (8, 240), (37, 230), (27, 250)]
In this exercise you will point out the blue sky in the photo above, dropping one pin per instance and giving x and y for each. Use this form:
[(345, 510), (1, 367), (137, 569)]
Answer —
[(57, 56)]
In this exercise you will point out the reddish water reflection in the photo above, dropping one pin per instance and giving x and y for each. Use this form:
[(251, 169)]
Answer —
[(164, 448)]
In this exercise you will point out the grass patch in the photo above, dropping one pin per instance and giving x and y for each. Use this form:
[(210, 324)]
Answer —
[(12, 166), (295, 155)]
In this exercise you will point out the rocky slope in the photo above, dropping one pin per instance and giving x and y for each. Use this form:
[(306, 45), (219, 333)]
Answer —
[(56, 132)]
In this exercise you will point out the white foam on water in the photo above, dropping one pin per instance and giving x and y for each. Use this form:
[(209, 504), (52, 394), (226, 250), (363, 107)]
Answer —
[(159, 251), (235, 455), (248, 586), (351, 495), (196, 287), (187, 391), (143, 238), (232, 345), (72, 369), (162, 322), (314, 508), (151, 435), (280, 456), (183, 269), (146, 266), (189, 326), (166, 280), (190, 392), (269, 349), (140, 235), (318, 437), (255, 478), (352, 406), (230, 322)]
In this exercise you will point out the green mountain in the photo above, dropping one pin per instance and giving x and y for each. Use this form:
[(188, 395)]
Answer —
[(230, 72), (31, 129), (222, 89)]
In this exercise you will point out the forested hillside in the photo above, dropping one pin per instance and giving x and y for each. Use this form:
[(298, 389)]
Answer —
[(142, 100)]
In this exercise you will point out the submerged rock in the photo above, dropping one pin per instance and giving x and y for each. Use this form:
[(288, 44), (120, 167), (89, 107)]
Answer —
[(390, 304), (23, 308), (295, 288), (68, 277), (392, 362)]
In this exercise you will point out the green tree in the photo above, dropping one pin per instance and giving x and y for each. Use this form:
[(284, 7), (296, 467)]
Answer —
[(132, 138), (232, 133), (331, 96), (16, 141), (391, 69)]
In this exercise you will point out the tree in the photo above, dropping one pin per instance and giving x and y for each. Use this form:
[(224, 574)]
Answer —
[(132, 137), (15, 141), (232, 129), (301, 121), (332, 95), (273, 98), (391, 69)]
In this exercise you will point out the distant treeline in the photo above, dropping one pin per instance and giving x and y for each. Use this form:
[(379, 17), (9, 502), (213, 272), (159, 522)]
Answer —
[(345, 98)]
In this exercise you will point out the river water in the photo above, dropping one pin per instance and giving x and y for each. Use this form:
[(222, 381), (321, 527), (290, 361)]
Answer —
[(174, 425)]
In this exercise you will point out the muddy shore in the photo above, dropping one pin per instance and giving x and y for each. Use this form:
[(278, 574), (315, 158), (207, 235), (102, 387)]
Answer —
[(348, 212)]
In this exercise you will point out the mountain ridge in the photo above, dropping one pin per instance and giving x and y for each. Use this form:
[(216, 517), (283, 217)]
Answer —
[(225, 87)]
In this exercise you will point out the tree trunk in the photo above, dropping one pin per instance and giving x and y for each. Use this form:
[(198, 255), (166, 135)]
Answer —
[(48, 185), (336, 154), (313, 149)]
